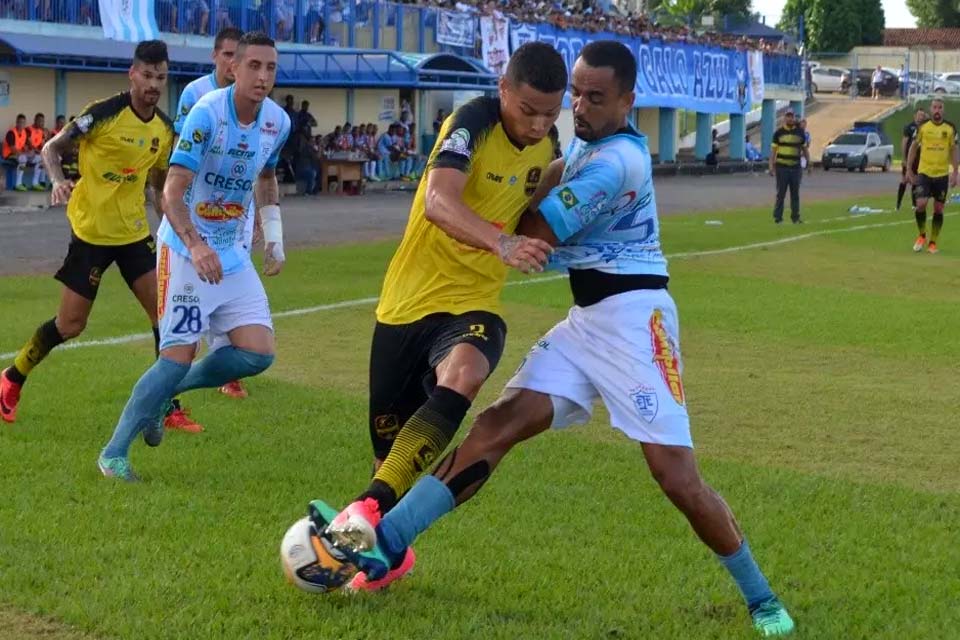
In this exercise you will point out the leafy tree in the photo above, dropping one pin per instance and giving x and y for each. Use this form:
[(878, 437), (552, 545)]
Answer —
[(935, 13), (834, 26), (871, 22)]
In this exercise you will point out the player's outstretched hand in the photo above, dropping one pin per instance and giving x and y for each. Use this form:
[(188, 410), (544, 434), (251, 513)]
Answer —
[(523, 253), (273, 259), (61, 192), (207, 263)]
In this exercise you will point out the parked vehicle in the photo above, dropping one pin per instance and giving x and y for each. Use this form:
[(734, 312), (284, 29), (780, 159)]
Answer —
[(829, 79), (925, 83), (890, 86), (857, 150)]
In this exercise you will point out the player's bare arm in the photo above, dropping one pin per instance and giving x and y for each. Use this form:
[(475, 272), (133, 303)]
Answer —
[(205, 259), (155, 182), (445, 208), (267, 193), (51, 155), (532, 223)]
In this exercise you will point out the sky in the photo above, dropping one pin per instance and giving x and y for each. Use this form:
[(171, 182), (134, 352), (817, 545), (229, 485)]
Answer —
[(895, 12)]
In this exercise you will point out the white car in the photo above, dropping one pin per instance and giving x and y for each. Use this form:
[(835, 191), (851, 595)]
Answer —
[(921, 82), (829, 79), (950, 76)]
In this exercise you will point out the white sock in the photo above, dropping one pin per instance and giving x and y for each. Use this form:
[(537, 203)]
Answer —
[(21, 165)]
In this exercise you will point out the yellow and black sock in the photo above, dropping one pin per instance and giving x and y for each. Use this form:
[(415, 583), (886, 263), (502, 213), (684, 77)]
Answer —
[(44, 339), (921, 221), (421, 441), (936, 226)]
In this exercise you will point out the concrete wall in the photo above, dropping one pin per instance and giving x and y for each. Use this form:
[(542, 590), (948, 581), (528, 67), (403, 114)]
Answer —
[(933, 61), (85, 87), (328, 106), (648, 122), (31, 92), (368, 105)]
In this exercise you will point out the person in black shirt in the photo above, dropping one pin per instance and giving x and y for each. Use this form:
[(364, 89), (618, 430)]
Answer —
[(909, 132)]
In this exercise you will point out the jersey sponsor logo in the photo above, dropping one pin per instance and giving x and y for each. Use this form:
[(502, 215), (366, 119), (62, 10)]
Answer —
[(239, 169), (457, 142), (127, 140), (219, 211), (185, 299), (155, 145), (533, 179), (645, 400), (197, 136), (125, 175), (241, 153), (83, 122), (568, 198), (163, 279), (269, 130), (185, 145), (492, 176), (665, 356), (231, 183)]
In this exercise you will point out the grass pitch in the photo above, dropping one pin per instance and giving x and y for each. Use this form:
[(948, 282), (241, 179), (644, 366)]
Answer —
[(820, 376)]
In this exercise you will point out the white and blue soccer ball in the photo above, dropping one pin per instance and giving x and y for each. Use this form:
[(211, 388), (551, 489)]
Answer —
[(310, 562)]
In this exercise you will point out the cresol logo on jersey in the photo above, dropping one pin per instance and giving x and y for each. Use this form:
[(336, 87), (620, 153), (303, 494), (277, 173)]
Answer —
[(217, 211), (227, 182)]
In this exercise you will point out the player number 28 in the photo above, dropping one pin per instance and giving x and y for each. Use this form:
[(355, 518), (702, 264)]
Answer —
[(189, 319)]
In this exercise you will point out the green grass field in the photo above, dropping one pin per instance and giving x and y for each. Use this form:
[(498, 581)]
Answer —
[(820, 372)]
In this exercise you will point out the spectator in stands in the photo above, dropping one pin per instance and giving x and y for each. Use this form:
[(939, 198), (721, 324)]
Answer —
[(198, 16), (438, 122), (346, 139), (283, 13), (314, 20), (307, 161), (59, 124), (753, 154), (289, 108), (389, 155), (372, 153), (332, 140), (37, 133), (304, 119), (17, 149), (712, 157)]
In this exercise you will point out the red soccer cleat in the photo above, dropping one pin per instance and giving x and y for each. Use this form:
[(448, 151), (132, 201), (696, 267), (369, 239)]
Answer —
[(9, 397), (234, 390), (360, 582), (179, 420)]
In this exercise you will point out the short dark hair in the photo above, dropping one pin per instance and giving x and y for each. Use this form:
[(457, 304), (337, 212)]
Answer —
[(151, 52), (254, 38), (538, 65), (617, 56), (20, 115), (227, 33), (39, 115), (305, 104)]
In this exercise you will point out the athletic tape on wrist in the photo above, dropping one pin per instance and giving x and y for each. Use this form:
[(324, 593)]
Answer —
[(272, 226)]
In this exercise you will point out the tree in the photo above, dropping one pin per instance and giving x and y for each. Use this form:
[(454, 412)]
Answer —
[(834, 26), (934, 13), (871, 22), (732, 8), (790, 18)]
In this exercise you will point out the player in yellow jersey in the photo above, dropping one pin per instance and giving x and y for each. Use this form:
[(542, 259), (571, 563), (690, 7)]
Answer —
[(125, 142), (936, 144), (439, 333)]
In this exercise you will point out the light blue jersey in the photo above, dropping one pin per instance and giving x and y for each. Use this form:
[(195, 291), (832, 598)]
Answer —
[(227, 158), (191, 95), (604, 211)]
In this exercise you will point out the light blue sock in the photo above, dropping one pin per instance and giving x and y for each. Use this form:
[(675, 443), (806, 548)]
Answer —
[(222, 366), (424, 504), (149, 395), (753, 584)]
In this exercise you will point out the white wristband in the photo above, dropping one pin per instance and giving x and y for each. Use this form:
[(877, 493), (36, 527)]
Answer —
[(272, 227)]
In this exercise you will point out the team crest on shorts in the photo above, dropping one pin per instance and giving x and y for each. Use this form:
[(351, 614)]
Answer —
[(95, 274), (645, 400)]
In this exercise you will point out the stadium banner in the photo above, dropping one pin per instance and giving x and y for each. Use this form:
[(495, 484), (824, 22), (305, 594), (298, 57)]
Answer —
[(456, 29), (128, 20), (495, 42), (669, 74), (756, 76)]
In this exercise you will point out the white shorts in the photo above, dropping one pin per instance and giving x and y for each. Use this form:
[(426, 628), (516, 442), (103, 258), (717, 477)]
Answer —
[(191, 309), (624, 350)]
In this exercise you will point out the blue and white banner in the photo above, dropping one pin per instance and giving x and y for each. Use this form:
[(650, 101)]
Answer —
[(683, 76), (128, 20), (456, 29)]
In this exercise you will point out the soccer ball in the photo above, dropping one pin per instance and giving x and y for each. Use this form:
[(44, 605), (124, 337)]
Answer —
[(310, 562)]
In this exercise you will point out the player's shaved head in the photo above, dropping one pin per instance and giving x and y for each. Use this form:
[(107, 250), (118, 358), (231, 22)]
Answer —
[(254, 66), (254, 39), (531, 92), (227, 33)]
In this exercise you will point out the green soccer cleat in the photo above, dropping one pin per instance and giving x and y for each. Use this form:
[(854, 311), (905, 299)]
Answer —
[(771, 619), (117, 468)]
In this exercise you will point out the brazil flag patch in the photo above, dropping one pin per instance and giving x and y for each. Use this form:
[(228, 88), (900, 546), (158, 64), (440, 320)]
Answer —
[(568, 198)]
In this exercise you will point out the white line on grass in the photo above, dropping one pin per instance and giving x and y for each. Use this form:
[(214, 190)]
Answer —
[(360, 302)]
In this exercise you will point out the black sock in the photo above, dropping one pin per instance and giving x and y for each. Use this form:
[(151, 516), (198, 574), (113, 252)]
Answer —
[(156, 342), (13, 375), (41, 343), (921, 217), (935, 226), (900, 191)]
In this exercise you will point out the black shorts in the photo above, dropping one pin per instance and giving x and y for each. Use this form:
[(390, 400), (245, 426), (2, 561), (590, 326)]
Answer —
[(936, 188), (85, 263), (403, 358)]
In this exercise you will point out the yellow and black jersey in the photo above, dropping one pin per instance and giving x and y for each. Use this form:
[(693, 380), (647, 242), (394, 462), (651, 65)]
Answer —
[(117, 151), (935, 142), (789, 143), (433, 273)]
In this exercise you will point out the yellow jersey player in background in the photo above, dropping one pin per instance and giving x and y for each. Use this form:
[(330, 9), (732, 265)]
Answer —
[(125, 142), (936, 144), (439, 333)]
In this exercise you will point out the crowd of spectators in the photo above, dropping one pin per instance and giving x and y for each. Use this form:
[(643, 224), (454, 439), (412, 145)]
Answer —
[(384, 155)]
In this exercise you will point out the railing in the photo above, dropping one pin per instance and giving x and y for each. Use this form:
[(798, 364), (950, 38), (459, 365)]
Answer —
[(366, 24)]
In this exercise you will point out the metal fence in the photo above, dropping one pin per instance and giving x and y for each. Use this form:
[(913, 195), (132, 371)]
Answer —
[(901, 75)]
